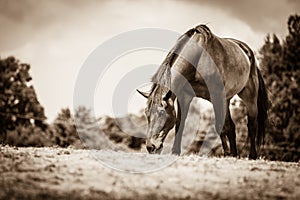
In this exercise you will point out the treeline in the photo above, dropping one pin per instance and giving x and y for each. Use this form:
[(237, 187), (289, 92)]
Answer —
[(22, 117), (280, 63), (23, 121)]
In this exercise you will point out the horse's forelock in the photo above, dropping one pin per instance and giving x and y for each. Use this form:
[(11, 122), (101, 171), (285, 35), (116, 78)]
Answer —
[(156, 94)]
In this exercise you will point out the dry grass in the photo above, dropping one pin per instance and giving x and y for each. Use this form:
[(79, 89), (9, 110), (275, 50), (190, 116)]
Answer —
[(52, 173)]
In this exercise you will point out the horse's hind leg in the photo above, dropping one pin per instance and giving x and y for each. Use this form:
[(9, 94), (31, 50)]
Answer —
[(219, 116), (249, 97), (229, 130)]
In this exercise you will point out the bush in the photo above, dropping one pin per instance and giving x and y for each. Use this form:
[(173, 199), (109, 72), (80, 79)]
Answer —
[(26, 136)]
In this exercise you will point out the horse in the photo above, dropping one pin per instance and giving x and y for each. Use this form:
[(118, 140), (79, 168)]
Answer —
[(203, 65)]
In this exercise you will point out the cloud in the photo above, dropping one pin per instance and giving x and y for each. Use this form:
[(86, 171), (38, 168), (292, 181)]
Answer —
[(21, 21), (261, 15)]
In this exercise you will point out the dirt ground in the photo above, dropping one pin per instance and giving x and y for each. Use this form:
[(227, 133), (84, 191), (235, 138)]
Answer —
[(52, 173)]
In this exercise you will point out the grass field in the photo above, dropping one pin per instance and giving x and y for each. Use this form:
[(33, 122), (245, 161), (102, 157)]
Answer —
[(57, 173)]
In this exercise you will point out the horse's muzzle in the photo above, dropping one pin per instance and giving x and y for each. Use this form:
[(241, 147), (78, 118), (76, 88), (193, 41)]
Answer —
[(153, 149), (150, 148)]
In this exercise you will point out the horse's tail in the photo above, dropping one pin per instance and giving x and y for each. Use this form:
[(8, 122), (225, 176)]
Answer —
[(262, 105)]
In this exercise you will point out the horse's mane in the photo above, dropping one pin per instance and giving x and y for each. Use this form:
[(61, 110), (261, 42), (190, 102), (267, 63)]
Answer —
[(162, 78)]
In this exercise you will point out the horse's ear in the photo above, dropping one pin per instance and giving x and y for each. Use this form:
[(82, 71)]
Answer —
[(144, 94)]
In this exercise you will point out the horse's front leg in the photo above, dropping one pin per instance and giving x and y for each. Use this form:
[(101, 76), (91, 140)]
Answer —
[(183, 105)]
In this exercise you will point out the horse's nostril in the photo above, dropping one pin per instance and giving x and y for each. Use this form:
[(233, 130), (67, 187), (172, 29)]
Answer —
[(151, 148)]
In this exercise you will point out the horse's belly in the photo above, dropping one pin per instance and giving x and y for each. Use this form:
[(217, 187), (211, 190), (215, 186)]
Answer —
[(234, 67), (233, 80), (236, 77), (233, 87)]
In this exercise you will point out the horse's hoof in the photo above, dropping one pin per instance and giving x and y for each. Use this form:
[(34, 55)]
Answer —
[(252, 156), (176, 153), (233, 154), (226, 154)]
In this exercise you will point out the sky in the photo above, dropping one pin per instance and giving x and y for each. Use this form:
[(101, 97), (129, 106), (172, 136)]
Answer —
[(56, 37)]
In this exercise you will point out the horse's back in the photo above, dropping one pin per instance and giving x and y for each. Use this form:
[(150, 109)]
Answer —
[(231, 60)]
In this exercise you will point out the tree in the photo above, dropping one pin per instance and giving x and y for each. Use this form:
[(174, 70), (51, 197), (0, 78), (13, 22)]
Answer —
[(19, 105), (292, 44), (91, 136), (65, 130), (292, 62), (281, 67), (84, 117)]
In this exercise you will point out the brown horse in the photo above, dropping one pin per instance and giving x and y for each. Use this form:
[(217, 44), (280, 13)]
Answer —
[(204, 65)]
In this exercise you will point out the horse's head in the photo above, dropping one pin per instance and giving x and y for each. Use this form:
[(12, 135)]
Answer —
[(161, 118)]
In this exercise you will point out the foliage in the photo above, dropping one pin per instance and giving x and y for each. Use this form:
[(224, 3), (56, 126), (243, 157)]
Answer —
[(281, 64), (124, 131), (89, 130), (19, 105), (25, 136), (64, 130), (84, 117)]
